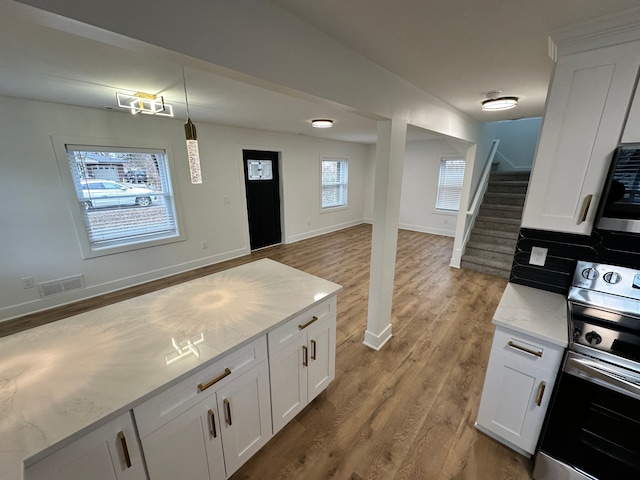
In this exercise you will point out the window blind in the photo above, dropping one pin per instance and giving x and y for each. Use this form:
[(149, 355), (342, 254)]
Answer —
[(450, 184)]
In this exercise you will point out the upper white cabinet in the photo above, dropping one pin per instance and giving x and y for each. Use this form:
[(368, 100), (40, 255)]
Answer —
[(632, 128), (110, 452), (586, 111), (302, 356)]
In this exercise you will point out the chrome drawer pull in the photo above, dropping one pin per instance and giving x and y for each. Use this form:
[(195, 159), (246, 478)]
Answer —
[(203, 387), (302, 327), (537, 353)]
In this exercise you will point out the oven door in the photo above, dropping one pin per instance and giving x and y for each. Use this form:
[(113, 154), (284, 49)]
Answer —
[(593, 428)]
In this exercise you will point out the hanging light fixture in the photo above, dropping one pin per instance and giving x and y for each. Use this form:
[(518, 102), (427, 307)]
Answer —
[(145, 103), (192, 140), (494, 102)]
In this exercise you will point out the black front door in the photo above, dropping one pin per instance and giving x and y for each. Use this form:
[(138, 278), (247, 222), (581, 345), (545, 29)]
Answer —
[(263, 197)]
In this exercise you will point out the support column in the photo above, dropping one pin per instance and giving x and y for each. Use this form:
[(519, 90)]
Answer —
[(386, 215)]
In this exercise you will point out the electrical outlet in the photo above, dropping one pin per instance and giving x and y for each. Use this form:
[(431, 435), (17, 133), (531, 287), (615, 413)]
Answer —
[(27, 282), (538, 256)]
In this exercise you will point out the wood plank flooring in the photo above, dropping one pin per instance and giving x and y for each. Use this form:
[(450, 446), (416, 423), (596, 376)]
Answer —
[(405, 412)]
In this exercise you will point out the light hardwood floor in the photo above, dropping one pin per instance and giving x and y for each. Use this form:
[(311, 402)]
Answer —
[(405, 412)]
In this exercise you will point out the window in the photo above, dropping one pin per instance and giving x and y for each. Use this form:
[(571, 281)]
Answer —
[(450, 184), (334, 182), (125, 198)]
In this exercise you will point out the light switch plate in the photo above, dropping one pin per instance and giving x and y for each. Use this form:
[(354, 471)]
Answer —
[(538, 256)]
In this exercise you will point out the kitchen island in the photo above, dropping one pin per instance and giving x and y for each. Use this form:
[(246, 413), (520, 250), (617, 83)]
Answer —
[(62, 380)]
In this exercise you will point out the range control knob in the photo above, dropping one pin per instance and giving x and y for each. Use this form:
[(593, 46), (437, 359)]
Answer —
[(612, 277), (593, 338), (590, 273)]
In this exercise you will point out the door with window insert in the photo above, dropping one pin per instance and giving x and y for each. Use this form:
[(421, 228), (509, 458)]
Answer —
[(263, 197)]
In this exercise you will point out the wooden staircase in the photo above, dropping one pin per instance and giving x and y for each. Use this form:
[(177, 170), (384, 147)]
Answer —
[(494, 236)]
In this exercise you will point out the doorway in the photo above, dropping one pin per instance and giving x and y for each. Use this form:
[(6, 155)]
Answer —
[(262, 184)]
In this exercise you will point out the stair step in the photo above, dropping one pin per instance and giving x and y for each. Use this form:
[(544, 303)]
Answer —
[(503, 211), (501, 263), (510, 176), (514, 199), (499, 224), (499, 234), (496, 271), (490, 246), (519, 187)]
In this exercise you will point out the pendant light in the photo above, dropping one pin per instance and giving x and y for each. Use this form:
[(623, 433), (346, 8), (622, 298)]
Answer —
[(192, 140)]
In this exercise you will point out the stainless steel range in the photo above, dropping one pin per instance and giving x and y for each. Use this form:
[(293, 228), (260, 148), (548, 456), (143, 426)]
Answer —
[(593, 427)]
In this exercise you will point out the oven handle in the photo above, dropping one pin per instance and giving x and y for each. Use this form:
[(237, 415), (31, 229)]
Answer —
[(608, 376)]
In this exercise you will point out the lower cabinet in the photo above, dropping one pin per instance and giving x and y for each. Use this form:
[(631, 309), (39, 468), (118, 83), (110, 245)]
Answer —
[(520, 377), (110, 452), (207, 426), (302, 356)]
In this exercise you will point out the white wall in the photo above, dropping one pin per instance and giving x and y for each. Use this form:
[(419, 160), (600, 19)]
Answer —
[(38, 236), (420, 185), (518, 141)]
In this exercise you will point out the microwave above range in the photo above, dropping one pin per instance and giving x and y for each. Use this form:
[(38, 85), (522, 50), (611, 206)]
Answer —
[(620, 206)]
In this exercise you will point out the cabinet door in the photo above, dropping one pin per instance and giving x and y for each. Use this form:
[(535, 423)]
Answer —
[(322, 356), (586, 109), (514, 400), (189, 447), (245, 407), (288, 383), (110, 452)]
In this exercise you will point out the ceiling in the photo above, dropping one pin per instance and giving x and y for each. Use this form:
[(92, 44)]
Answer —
[(458, 51)]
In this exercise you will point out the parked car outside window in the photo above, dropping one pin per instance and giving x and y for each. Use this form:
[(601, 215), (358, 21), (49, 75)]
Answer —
[(136, 176), (98, 193)]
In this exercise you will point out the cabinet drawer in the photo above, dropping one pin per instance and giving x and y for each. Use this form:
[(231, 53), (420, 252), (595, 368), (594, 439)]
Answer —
[(525, 347), (290, 331), (177, 399)]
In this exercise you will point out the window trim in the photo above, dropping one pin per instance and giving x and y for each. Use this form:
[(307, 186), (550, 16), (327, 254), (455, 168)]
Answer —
[(444, 158), (344, 206), (60, 144)]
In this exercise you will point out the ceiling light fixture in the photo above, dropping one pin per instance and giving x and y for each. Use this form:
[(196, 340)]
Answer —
[(145, 103), (494, 102), (322, 123), (192, 140)]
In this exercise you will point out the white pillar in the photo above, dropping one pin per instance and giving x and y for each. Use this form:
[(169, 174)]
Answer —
[(386, 214)]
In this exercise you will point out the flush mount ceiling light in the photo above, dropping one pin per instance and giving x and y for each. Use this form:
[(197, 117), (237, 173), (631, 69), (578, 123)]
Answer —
[(494, 102), (145, 103), (322, 123)]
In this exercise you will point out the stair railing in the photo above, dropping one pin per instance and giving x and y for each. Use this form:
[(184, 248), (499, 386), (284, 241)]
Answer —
[(472, 211)]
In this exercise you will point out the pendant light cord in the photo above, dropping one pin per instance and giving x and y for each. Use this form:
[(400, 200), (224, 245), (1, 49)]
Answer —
[(186, 99)]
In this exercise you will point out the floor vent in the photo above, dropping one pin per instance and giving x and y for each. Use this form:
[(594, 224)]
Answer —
[(60, 286)]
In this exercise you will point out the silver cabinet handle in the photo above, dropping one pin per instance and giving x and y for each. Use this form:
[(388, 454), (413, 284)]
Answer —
[(537, 353)]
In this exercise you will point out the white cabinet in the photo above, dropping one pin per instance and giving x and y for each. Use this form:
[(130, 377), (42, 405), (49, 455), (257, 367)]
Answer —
[(631, 132), (520, 377), (110, 452), (208, 425), (301, 360), (586, 110)]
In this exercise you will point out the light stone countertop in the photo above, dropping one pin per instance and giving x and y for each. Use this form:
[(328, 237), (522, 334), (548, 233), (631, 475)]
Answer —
[(534, 312), (59, 379)]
